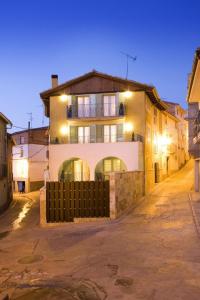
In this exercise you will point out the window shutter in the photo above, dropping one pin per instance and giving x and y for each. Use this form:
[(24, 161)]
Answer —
[(93, 134), (117, 104), (73, 134), (120, 135), (99, 134), (99, 105), (74, 106), (93, 105)]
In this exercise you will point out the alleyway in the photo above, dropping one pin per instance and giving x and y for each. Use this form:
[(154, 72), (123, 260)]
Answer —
[(153, 253)]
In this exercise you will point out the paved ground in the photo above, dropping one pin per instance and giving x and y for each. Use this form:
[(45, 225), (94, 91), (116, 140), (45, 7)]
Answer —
[(153, 253)]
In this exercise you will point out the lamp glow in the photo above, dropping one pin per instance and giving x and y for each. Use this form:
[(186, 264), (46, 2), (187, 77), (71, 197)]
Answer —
[(63, 98), (64, 130), (22, 168), (128, 127), (128, 94)]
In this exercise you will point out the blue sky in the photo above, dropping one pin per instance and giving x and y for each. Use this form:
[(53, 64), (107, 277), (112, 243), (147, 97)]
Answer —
[(69, 38)]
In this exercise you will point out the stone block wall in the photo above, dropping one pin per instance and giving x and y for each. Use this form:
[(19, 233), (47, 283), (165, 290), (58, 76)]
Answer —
[(194, 149), (126, 189)]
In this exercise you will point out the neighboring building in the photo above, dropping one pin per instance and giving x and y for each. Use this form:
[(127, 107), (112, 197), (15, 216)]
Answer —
[(193, 99), (182, 128), (30, 159), (101, 124), (5, 164)]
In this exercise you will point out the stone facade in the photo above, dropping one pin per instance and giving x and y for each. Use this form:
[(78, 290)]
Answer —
[(126, 190), (5, 164)]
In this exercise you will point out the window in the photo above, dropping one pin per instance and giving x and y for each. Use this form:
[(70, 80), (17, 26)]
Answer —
[(83, 135), (86, 107), (21, 139), (112, 165), (110, 133), (107, 165), (21, 152), (109, 104)]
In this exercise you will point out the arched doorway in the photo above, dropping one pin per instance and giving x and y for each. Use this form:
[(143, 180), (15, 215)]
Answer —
[(108, 165), (74, 169)]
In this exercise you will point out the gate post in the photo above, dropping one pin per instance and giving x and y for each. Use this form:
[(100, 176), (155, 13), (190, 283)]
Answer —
[(113, 213), (43, 219)]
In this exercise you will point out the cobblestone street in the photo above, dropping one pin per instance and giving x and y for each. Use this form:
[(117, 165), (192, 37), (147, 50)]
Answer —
[(152, 253)]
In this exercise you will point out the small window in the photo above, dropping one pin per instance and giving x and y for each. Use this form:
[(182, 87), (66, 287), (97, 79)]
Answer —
[(21, 139), (21, 152)]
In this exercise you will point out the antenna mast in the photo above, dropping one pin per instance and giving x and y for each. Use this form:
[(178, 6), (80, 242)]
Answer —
[(30, 119), (128, 58)]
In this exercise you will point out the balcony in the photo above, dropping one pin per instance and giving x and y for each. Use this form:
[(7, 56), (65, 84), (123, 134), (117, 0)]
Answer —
[(95, 111), (196, 129), (91, 139)]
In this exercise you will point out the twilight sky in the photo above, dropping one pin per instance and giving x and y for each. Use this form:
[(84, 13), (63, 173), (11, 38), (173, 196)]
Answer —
[(70, 37)]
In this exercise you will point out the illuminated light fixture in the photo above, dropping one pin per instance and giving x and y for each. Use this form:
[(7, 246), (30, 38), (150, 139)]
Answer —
[(63, 98), (64, 130), (165, 141), (128, 127), (128, 94), (22, 168)]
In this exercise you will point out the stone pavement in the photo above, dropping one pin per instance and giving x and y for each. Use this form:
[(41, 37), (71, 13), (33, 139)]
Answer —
[(152, 253)]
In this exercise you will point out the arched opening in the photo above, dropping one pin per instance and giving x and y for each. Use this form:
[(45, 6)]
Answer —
[(108, 165), (74, 169)]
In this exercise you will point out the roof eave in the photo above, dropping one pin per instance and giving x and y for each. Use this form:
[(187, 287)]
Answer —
[(196, 59), (6, 120)]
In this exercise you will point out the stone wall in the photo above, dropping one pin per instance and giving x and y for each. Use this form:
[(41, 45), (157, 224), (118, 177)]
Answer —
[(126, 190), (194, 149)]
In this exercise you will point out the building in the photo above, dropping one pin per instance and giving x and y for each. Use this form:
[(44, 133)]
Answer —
[(30, 159), (101, 124), (193, 98), (5, 163), (177, 111)]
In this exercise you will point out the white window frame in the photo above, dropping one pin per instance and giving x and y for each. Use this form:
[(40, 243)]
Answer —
[(83, 134), (109, 105), (84, 106), (110, 133)]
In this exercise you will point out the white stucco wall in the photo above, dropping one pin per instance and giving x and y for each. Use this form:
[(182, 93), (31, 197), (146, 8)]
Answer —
[(129, 152), (31, 166)]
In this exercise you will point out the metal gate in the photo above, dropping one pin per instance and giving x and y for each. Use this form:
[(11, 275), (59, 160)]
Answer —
[(85, 199)]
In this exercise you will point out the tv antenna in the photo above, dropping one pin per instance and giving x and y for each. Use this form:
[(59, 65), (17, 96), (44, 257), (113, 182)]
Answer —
[(30, 119), (128, 59)]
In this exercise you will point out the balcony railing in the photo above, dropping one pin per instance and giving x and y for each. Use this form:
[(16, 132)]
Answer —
[(95, 110), (196, 129), (90, 139)]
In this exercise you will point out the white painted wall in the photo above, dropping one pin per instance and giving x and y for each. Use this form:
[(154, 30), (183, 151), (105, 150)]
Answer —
[(130, 152), (33, 163)]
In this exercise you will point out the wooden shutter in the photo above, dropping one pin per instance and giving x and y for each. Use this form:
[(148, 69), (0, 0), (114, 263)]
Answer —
[(73, 134), (120, 132), (99, 105), (99, 134), (93, 134), (93, 105), (117, 104), (74, 106)]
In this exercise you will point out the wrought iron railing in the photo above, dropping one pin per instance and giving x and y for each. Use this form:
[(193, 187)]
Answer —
[(95, 110), (98, 139), (196, 129)]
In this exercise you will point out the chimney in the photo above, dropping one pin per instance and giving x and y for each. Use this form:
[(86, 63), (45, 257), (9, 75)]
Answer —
[(54, 81)]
